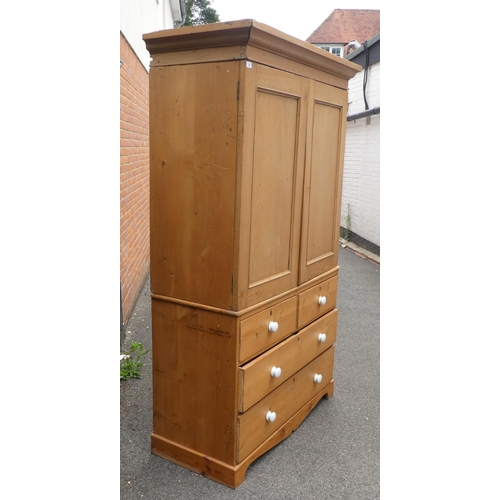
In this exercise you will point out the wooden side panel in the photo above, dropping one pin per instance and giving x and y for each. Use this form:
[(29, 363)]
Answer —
[(193, 154), (322, 180), (195, 378), (272, 174)]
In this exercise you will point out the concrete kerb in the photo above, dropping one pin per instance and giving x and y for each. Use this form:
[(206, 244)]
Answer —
[(366, 254)]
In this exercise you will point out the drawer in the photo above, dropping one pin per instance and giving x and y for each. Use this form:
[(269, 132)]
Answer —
[(317, 301), (255, 332), (257, 378), (282, 403)]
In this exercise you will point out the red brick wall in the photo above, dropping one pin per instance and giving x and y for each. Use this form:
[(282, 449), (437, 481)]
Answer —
[(134, 176)]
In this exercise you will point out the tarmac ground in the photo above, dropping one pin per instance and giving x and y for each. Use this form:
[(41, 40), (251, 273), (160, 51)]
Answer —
[(335, 452)]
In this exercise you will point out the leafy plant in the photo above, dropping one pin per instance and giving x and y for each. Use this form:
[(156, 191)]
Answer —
[(130, 362)]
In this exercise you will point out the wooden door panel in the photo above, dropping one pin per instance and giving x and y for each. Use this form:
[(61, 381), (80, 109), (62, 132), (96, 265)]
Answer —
[(272, 174), (321, 198), (322, 181), (271, 225)]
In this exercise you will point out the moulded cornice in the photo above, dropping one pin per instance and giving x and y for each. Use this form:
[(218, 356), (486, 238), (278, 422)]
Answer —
[(248, 33)]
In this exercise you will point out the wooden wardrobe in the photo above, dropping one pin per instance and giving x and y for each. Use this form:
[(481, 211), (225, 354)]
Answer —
[(247, 128)]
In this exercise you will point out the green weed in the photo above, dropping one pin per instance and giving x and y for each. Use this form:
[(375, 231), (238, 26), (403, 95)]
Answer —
[(131, 364)]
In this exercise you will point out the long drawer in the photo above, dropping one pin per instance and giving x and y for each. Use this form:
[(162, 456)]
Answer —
[(265, 417), (265, 373)]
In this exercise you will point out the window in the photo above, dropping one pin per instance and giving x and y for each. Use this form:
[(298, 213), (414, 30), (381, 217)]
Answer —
[(335, 50)]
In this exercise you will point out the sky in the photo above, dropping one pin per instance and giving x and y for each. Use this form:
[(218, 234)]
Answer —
[(299, 19)]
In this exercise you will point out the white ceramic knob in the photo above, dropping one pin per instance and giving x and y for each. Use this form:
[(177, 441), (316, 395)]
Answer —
[(322, 300), (271, 416), (318, 378), (273, 326), (322, 337), (275, 371)]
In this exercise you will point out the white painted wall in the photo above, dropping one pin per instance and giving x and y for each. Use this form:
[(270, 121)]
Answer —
[(361, 185), (143, 16)]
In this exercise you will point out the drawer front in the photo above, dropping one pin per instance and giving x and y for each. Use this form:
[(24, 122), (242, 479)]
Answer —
[(256, 334), (262, 375), (317, 301), (281, 404)]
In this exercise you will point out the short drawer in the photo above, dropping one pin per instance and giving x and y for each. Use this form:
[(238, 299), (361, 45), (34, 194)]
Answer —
[(264, 418), (271, 369), (317, 301), (257, 333)]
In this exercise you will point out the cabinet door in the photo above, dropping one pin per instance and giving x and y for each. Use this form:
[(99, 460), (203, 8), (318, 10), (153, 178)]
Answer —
[(274, 105), (327, 114)]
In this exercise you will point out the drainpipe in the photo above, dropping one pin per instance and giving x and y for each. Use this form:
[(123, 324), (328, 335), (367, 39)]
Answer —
[(179, 25), (182, 4), (367, 112), (364, 114), (365, 75)]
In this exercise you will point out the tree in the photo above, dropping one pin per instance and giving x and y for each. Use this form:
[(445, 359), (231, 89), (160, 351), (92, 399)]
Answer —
[(200, 12)]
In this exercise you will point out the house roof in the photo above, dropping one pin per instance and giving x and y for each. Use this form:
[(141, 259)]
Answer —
[(345, 25)]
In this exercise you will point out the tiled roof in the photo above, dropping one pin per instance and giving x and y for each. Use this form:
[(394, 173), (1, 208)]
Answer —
[(345, 25)]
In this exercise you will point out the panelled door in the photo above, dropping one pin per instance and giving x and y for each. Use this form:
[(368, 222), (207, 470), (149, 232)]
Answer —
[(274, 106), (322, 180)]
